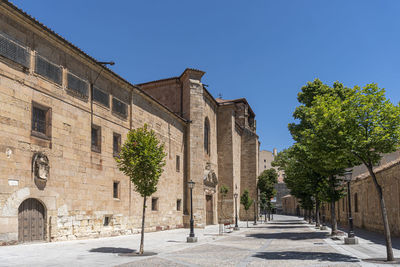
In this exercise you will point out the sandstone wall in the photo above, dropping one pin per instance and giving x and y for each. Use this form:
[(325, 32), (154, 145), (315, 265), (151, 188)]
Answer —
[(79, 191)]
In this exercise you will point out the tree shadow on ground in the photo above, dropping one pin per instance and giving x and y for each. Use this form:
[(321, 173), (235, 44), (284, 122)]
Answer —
[(282, 222), (373, 237), (287, 227), (112, 250), (298, 255), (290, 235)]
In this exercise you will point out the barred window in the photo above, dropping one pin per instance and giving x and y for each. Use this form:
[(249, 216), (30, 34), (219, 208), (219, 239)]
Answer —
[(48, 69), (116, 189), (207, 136), (41, 121), (77, 86), (116, 144), (119, 107), (96, 138), (101, 97), (14, 51)]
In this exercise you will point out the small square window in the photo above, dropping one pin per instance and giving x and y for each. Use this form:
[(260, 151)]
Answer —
[(178, 163), (178, 204), (41, 121), (96, 138), (107, 220), (154, 203), (116, 189), (116, 144)]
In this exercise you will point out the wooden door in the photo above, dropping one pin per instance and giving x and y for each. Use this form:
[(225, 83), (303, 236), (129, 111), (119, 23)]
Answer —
[(209, 210), (31, 218)]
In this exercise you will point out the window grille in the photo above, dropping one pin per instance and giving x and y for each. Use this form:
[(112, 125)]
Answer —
[(116, 144), (119, 107), (77, 86), (101, 97), (39, 120), (116, 189), (48, 69), (154, 203), (14, 51), (96, 138)]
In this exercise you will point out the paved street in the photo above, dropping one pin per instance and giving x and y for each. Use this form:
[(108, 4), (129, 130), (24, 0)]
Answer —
[(287, 241)]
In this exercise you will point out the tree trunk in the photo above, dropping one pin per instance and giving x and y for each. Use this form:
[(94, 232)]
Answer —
[(317, 203), (142, 233), (389, 249), (247, 218), (310, 216), (333, 219)]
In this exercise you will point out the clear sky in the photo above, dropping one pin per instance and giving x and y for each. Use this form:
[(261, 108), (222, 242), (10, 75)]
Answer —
[(262, 50)]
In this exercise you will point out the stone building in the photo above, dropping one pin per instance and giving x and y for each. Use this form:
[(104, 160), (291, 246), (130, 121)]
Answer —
[(265, 159), (63, 117), (366, 209)]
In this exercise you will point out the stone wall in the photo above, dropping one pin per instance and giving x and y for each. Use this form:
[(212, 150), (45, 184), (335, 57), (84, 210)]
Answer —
[(79, 191)]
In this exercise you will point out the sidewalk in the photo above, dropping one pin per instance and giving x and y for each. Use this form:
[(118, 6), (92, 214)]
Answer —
[(370, 244), (104, 251)]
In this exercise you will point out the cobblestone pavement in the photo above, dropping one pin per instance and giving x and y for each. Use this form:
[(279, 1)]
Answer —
[(286, 241)]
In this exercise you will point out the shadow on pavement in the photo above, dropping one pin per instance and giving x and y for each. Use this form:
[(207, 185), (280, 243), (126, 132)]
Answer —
[(290, 235), (112, 250), (296, 255), (373, 237), (287, 227)]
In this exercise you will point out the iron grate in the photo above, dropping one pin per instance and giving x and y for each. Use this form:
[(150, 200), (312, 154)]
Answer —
[(14, 51)]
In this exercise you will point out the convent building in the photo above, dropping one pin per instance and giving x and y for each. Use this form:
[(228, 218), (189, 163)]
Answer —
[(63, 118)]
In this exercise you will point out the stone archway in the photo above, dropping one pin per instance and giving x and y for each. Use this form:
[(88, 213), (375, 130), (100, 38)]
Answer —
[(31, 221)]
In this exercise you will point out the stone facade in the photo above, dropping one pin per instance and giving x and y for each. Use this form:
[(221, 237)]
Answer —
[(264, 163), (68, 167), (366, 209)]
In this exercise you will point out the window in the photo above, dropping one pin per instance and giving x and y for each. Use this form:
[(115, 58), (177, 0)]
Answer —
[(14, 51), (107, 219), (119, 107), (48, 69), (178, 204), (116, 189), (265, 166), (77, 86), (265, 160), (101, 97), (178, 163), (355, 202), (41, 121), (116, 144), (207, 136), (154, 203), (96, 138)]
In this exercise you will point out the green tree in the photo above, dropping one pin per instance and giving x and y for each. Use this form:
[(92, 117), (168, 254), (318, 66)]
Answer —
[(322, 153), (246, 201), (264, 204), (223, 191), (142, 159), (368, 126), (266, 184)]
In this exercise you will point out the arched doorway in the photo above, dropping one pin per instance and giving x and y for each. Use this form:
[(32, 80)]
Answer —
[(31, 221)]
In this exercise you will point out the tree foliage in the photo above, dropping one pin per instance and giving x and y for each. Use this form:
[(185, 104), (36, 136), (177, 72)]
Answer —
[(246, 201), (142, 159)]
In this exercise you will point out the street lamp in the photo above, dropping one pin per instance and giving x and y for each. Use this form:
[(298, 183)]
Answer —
[(191, 238), (350, 239), (236, 215)]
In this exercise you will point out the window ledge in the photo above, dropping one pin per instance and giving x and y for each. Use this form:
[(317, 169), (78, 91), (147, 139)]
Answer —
[(40, 135)]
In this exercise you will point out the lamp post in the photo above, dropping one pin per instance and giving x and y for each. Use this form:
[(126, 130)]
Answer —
[(191, 238), (236, 215), (350, 239)]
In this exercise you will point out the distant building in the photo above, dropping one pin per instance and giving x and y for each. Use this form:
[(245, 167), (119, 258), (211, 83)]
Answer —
[(264, 163)]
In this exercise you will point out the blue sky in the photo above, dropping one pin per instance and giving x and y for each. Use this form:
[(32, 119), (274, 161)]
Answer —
[(261, 50)]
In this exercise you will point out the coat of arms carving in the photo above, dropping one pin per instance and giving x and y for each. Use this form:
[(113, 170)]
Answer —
[(40, 166)]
